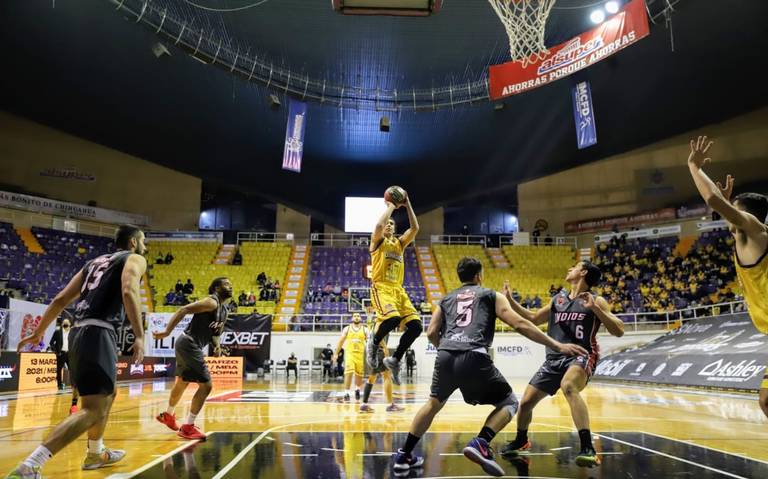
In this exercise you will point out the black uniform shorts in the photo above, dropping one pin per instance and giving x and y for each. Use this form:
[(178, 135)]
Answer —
[(190, 361), (93, 359), (550, 375), (473, 373)]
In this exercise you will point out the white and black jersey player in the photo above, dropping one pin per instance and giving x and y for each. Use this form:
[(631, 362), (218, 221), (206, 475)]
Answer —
[(462, 329), (573, 317), (205, 327), (106, 290)]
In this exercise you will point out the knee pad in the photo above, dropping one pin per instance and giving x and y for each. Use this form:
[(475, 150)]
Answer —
[(510, 403)]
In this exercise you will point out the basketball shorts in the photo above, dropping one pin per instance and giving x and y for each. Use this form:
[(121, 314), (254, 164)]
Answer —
[(190, 361), (550, 375), (354, 363), (391, 301), (471, 372), (93, 359)]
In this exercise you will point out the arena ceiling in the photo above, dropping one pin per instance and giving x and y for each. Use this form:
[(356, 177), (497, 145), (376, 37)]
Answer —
[(88, 69)]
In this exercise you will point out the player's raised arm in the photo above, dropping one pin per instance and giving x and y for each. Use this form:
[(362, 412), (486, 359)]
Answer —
[(536, 317), (602, 310), (413, 224), (505, 313), (433, 330), (381, 223), (718, 198)]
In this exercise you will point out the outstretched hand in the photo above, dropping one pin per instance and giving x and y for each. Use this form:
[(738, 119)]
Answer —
[(505, 290), (699, 149), (726, 190)]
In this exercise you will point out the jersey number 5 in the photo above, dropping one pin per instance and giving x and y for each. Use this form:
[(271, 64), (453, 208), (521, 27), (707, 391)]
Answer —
[(464, 312)]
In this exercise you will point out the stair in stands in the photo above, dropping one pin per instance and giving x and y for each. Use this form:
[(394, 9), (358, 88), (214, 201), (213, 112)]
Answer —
[(30, 241), (430, 274), (498, 260), (293, 286), (225, 254)]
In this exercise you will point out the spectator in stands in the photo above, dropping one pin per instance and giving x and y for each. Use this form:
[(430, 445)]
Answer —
[(242, 300), (536, 302), (160, 259), (516, 295), (264, 294), (237, 260), (340, 363), (326, 356), (261, 278), (548, 240), (251, 299), (292, 365), (189, 288), (170, 298), (169, 258), (465, 230), (179, 288), (295, 326), (552, 290)]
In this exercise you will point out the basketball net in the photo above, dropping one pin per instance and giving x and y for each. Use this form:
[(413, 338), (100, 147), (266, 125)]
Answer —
[(524, 21)]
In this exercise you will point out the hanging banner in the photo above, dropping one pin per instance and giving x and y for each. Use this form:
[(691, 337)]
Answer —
[(620, 31), (598, 224), (294, 135), (718, 352), (249, 337), (584, 115)]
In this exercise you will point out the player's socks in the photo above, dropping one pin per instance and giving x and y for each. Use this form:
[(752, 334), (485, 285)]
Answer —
[(171, 410), (38, 458), (585, 436), (487, 433), (367, 392), (410, 443), (191, 419)]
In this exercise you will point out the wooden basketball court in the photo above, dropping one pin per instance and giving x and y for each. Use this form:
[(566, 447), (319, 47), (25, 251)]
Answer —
[(284, 428)]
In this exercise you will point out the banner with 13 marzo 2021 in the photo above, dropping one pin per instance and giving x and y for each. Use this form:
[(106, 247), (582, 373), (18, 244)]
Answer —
[(718, 352)]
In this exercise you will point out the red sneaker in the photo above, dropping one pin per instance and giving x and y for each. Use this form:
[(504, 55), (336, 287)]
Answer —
[(190, 431), (169, 420), (73, 409)]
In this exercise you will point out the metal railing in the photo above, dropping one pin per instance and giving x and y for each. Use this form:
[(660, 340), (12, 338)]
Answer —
[(539, 241), (633, 322), (253, 236), (458, 239), (339, 239)]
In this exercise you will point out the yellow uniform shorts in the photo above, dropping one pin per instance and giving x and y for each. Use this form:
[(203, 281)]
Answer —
[(391, 301)]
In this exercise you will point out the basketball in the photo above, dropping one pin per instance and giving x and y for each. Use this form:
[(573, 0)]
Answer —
[(395, 195)]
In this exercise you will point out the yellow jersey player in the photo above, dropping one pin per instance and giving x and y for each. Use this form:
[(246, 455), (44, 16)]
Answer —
[(353, 340), (746, 216), (389, 299)]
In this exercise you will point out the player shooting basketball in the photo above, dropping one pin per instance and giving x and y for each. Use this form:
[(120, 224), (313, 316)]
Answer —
[(746, 216), (392, 305)]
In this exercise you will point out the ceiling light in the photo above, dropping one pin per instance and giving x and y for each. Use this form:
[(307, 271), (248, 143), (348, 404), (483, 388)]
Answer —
[(597, 16), (612, 7)]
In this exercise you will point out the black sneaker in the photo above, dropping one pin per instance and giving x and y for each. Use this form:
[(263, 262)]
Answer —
[(587, 458), (514, 448)]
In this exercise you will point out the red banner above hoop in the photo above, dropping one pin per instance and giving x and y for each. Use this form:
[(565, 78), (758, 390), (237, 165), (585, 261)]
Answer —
[(613, 35)]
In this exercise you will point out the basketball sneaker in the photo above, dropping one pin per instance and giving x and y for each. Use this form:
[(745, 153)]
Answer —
[(513, 448), (393, 364), (346, 397), (480, 452), (366, 408), (587, 458), (169, 420), (357, 394), (406, 462), (190, 431), (96, 460), (395, 408), (72, 409), (25, 472)]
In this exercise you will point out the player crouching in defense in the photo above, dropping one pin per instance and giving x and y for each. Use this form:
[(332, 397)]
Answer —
[(462, 329)]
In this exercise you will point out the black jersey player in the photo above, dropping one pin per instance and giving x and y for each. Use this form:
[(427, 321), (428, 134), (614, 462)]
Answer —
[(205, 327), (106, 290), (462, 329), (574, 317)]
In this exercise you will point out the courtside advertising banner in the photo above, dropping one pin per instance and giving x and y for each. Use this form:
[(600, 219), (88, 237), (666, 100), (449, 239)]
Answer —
[(618, 32), (584, 115), (248, 336), (157, 323), (724, 352), (294, 135)]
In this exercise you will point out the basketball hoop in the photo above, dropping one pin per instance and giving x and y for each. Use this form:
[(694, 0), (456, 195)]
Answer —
[(524, 21)]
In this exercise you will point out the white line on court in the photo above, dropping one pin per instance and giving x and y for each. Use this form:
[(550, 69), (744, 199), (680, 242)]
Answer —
[(127, 475), (740, 454), (560, 448), (299, 455), (292, 444), (331, 449)]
